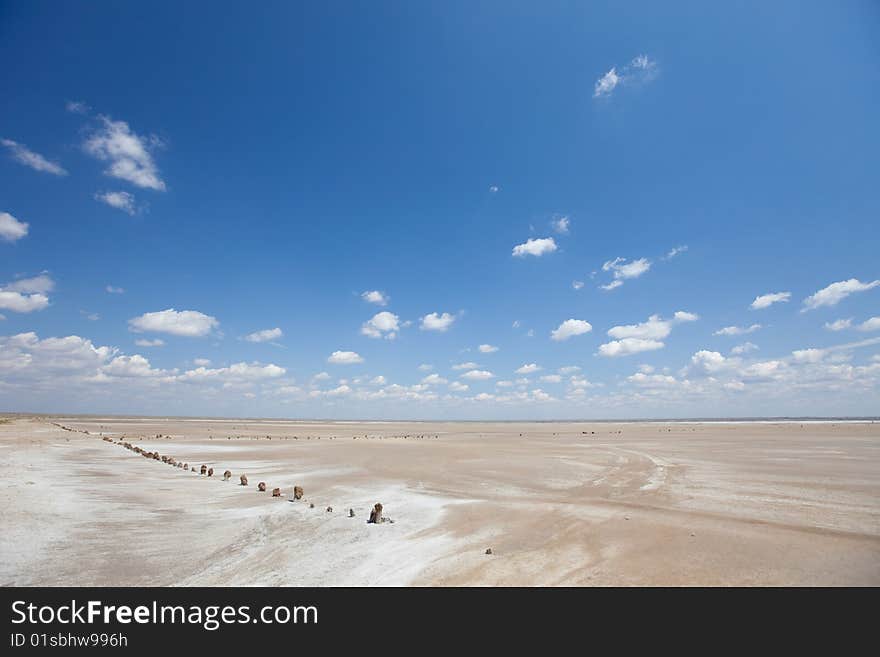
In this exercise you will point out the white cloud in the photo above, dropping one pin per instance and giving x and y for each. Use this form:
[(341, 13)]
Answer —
[(655, 328), (577, 285), (92, 317), (570, 328), (676, 251), (202, 362), (114, 290), (872, 324), (836, 292), (323, 376), (551, 378), (839, 324), (129, 154), (378, 380), (494, 189), (26, 294), (119, 200), (652, 380), (266, 335), (40, 284), (708, 361), (640, 69), (737, 330), (376, 297), (456, 386), (535, 247), (22, 303), (767, 300), (569, 369), (382, 325), (188, 323), (11, 229), (477, 375), (437, 322), (236, 373), (27, 157), (426, 367), (487, 348), (623, 270), (465, 366), (528, 368), (744, 348), (628, 346), (434, 379), (561, 225), (345, 358), (606, 84), (77, 107), (516, 324)]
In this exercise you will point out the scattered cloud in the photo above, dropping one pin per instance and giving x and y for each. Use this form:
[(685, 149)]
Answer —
[(577, 285), (487, 349), (158, 342), (494, 189), (569, 369), (528, 368), (376, 297), (437, 322), (426, 367), (872, 324), (187, 323), (570, 328), (655, 328), (737, 330), (839, 324), (628, 346), (836, 292), (266, 335), (11, 229), (744, 348), (457, 386), (26, 295), (465, 366), (623, 270), (40, 284), (477, 375), (119, 200), (114, 290), (641, 69), (551, 378), (677, 250), (23, 155), (561, 224), (535, 247), (345, 358), (129, 155), (77, 107), (767, 300), (434, 379), (382, 325)]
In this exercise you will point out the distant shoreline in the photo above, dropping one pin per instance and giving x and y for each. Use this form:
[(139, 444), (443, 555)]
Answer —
[(673, 420)]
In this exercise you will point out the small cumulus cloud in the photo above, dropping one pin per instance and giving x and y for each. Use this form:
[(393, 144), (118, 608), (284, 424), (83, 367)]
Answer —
[(767, 300), (535, 247), (570, 328), (836, 292), (345, 358)]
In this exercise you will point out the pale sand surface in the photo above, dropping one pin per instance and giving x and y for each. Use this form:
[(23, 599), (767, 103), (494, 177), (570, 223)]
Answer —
[(631, 504)]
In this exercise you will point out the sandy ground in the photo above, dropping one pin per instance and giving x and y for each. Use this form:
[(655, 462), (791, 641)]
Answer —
[(558, 503)]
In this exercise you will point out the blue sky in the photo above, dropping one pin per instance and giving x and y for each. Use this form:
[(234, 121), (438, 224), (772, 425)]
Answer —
[(197, 174)]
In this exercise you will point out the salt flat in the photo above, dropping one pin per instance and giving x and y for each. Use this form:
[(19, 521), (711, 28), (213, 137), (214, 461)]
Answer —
[(558, 503)]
